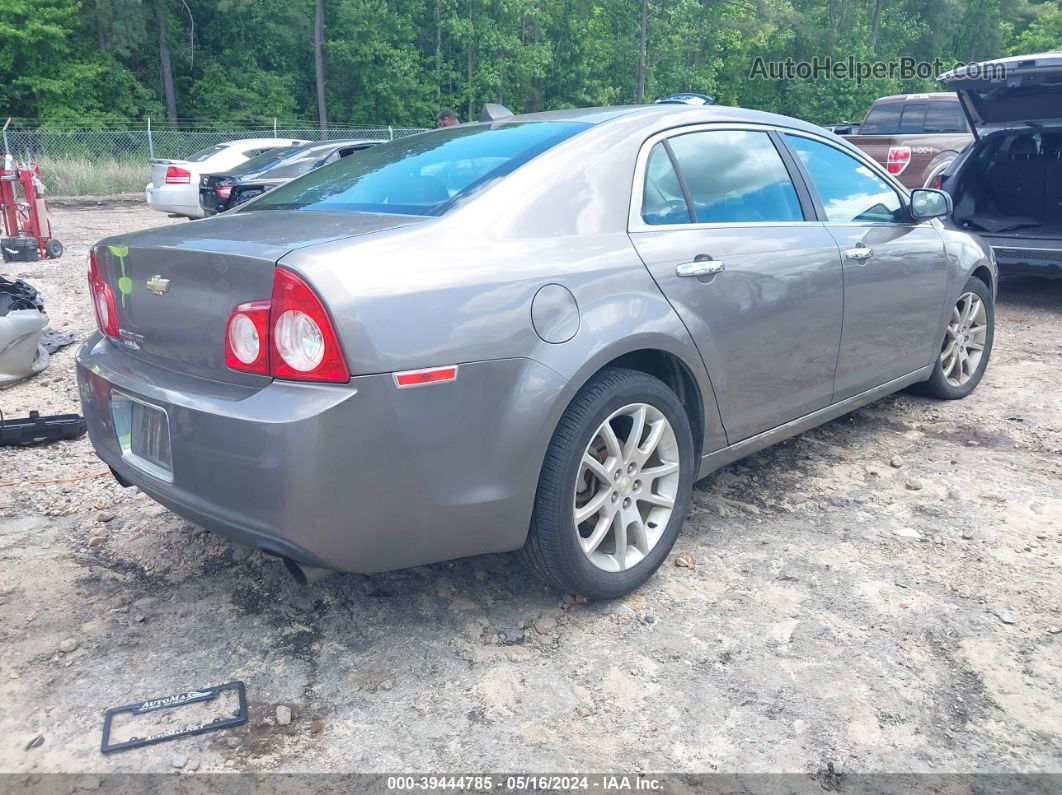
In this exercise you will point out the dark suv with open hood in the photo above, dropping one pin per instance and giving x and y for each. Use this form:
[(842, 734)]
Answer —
[(1007, 184)]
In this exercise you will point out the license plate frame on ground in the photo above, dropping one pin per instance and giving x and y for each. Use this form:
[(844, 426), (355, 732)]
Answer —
[(143, 433), (170, 702)]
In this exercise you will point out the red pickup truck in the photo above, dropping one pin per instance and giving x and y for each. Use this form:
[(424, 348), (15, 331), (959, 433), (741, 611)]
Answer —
[(914, 136)]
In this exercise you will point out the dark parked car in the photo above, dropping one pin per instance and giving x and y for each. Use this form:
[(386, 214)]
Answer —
[(224, 190), (534, 332), (1007, 186)]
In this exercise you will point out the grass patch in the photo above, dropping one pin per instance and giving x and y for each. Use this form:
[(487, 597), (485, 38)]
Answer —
[(70, 175)]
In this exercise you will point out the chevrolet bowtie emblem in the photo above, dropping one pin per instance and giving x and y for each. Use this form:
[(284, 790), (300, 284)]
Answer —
[(158, 285)]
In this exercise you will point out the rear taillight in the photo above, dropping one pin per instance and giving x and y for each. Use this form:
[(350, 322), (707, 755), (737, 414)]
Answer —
[(290, 336), (223, 191), (102, 300), (936, 182), (247, 338), (899, 158), (178, 176), (305, 345)]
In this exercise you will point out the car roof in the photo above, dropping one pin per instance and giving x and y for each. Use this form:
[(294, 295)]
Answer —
[(667, 115), (337, 144), (934, 95), (275, 142)]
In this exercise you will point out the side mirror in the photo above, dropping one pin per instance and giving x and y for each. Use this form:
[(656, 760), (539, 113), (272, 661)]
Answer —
[(929, 203)]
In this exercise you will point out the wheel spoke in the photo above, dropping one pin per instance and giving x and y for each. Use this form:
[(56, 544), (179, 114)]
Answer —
[(640, 538), (620, 533), (635, 435), (656, 499), (664, 468), (612, 444), (592, 506), (656, 433), (601, 529), (599, 470)]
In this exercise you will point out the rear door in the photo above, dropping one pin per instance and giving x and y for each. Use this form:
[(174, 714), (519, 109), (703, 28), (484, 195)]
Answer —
[(894, 268), (723, 229)]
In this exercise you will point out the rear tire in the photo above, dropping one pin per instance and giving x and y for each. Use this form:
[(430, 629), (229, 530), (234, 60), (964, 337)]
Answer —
[(53, 248), (631, 498), (966, 346)]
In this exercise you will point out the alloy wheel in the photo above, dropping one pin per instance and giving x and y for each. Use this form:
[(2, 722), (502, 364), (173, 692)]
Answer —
[(964, 339), (626, 488)]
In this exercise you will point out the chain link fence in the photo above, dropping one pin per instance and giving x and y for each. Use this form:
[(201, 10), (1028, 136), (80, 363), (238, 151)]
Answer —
[(166, 143)]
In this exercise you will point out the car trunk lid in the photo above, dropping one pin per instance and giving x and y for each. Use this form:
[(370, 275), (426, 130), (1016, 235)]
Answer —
[(1025, 90), (175, 286)]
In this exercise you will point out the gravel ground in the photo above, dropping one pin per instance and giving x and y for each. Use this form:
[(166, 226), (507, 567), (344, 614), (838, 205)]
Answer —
[(882, 594)]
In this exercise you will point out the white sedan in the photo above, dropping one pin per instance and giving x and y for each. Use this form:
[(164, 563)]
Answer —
[(174, 186)]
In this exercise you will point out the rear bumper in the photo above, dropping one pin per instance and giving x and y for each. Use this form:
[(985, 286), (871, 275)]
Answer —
[(176, 199), (1043, 257), (357, 477)]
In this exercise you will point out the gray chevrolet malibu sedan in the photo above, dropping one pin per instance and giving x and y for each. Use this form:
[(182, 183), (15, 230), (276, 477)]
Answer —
[(534, 333)]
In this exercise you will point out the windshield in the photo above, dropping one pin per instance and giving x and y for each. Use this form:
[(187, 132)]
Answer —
[(420, 175)]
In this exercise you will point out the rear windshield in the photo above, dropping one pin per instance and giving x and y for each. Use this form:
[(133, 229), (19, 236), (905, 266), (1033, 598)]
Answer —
[(420, 175), (305, 160), (206, 154), (263, 161)]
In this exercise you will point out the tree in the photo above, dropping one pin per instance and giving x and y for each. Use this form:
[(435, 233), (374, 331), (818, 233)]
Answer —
[(166, 66), (318, 63), (401, 61), (642, 44)]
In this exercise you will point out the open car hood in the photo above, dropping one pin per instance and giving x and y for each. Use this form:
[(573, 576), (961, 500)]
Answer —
[(1020, 91)]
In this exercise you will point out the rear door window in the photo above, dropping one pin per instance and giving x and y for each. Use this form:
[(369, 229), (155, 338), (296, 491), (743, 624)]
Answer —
[(663, 201), (883, 119), (736, 176), (913, 118), (850, 190)]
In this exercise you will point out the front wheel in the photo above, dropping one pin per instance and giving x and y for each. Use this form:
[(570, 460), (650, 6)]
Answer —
[(615, 486), (966, 346)]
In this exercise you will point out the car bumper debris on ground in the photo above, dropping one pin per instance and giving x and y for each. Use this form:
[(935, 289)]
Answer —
[(882, 593)]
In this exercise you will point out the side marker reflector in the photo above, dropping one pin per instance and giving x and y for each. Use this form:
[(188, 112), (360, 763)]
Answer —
[(432, 375)]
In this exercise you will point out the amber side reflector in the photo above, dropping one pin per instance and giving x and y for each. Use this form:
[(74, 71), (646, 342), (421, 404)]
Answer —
[(434, 375)]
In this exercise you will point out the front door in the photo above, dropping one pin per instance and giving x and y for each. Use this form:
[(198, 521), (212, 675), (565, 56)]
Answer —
[(894, 269), (722, 230)]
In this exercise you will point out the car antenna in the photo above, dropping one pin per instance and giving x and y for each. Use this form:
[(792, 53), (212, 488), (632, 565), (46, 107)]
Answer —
[(494, 112)]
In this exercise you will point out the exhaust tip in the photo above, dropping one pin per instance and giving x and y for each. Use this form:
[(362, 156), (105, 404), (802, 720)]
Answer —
[(306, 575)]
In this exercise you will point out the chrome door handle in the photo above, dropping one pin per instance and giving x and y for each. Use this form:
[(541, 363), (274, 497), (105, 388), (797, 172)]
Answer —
[(859, 253), (702, 268)]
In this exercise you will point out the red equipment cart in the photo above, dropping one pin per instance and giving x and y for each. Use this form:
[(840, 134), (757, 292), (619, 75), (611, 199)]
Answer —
[(27, 229)]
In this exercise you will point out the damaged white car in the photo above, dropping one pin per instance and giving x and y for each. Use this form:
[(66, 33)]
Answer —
[(22, 322)]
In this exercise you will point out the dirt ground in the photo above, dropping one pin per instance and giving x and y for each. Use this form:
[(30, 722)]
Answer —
[(883, 593)]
